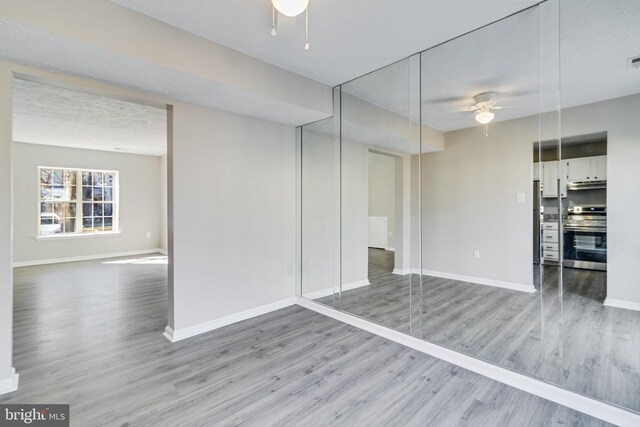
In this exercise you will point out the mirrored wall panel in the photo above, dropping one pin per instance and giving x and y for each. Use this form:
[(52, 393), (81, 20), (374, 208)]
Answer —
[(481, 195), (600, 151), (380, 133), (481, 93), (320, 210)]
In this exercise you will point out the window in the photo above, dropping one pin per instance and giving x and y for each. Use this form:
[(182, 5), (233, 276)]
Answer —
[(77, 201)]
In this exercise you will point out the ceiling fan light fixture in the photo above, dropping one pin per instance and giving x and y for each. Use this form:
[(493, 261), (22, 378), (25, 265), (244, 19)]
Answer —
[(290, 7), (484, 116)]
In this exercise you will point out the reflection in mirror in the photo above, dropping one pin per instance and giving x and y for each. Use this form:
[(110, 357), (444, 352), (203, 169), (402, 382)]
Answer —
[(378, 137), (378, 134), (320, 210), (600, 151), (482, 91), (482, 195)]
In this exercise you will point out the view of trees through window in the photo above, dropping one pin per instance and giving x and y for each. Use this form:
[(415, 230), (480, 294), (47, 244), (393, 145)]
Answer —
[(77, 201)]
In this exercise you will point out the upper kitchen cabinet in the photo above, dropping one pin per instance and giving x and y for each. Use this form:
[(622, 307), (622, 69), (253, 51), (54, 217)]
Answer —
[(578, 169), (587, 169), (598, 168), (552, 180)]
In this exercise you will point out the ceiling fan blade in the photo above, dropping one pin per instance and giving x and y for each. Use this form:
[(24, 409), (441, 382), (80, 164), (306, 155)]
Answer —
[(447, 100), (519, 93)]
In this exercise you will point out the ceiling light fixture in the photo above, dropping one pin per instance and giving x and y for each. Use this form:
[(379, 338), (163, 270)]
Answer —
[(484, 103), (484, 116), (290, 8)]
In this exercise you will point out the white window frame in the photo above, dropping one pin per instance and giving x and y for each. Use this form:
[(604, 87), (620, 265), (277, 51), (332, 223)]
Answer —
[(81, 234)]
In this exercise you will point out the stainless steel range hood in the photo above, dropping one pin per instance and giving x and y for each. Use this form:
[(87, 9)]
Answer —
[(586, 185)]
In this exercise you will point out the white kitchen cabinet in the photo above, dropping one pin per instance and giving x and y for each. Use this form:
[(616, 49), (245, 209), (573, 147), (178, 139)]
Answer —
[(579, 169), (550, 241), (598, 167), (536, 171), (587, 169), (551, 173)]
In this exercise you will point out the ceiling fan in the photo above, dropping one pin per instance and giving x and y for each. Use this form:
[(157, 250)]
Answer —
[(484, 104), (482, 109)]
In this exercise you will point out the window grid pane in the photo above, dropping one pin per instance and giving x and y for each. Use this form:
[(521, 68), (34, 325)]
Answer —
[(61, 212)]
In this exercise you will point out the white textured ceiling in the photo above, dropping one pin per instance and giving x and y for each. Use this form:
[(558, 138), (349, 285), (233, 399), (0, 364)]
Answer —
[(51, 115), (348, 38), (597, 38)]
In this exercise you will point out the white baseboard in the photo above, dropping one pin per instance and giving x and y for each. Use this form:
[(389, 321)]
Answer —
[(578, 402), (168, 333), (163, 251), (85, 257), (620, 303), (329, 291), (401, 272), (181, 334), (478, 280), (10, 384)]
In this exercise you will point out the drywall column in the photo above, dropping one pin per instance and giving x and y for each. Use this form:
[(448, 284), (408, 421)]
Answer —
[(232, 209), (7, 382), (169, 217), (402, 260), (163, 204)]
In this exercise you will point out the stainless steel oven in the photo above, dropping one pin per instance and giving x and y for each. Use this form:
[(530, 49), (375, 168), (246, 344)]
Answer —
[(585, 237)]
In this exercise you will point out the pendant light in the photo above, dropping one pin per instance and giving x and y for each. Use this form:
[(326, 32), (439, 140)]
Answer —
[(291, 8)]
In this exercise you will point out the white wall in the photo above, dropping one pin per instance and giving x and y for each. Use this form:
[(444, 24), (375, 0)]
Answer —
[(164, 233), (382, 189), (233, 214), (355, 212), (321, 214), (6, 270), (139, 202), (469, 203)]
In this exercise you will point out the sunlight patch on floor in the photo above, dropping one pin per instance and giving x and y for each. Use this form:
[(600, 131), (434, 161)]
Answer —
[(158, 259)]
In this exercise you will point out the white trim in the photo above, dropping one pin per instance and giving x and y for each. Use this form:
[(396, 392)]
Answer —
[(330, 291), (65, 236), (168, 333), (570, 399), (79, 200), (10, 384), (478, 280), (163, 251), (400, 271), (181, 334), (390, 249), (620, 303), (85, 257)]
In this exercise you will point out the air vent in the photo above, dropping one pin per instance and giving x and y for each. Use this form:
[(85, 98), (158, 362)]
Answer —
[(634, 62)]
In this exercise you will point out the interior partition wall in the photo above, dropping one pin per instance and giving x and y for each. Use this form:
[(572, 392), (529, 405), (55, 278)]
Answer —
[(480, 195)]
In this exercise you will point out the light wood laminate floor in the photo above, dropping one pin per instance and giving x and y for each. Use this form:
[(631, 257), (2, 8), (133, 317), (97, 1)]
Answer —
[(90, 334), (574, 341)]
